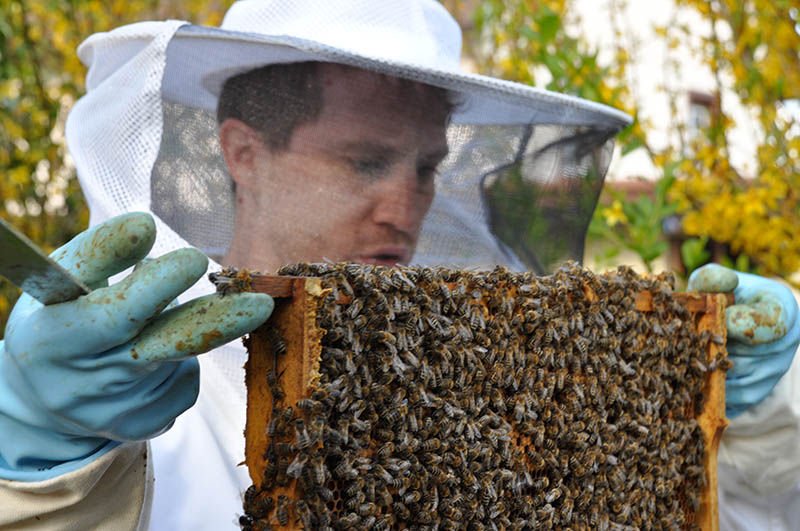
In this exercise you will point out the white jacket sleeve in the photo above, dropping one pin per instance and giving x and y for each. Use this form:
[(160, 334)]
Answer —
[(114, 492), (760, 450)]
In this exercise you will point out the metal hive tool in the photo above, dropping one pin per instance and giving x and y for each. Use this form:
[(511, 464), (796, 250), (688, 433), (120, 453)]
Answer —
[(415, 398)]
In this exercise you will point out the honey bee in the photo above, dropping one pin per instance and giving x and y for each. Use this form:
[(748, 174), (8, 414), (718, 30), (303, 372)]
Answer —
[(553, 495), (303, 513), (275, 427), (277, 342), (257, 505), (488, 494), (452, 513), (270, 473), (282, 512), (346, 287), (384, 522), (246, 522), (367, 509), (541, 483), (354, 487), (318, 472), (274, 385), (309, 405), (301, 435), (357, 324), (355, 307), (281, 474), (349, 520), (295, 468), (413, 497), (355, 502), (660, 488), (399, 509)]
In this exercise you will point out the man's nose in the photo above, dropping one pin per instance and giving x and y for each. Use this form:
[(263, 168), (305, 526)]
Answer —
[(402, 203)]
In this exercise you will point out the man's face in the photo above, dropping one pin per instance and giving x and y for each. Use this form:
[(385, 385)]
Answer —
[(354, 184)]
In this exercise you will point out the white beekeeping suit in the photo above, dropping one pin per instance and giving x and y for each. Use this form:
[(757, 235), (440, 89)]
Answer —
[(144, 138)]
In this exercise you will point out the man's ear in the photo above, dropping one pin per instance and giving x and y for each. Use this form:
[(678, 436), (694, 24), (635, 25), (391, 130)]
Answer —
[(241, 146)]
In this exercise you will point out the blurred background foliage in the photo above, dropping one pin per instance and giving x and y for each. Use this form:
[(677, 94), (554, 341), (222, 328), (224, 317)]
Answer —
[(41, 77), (756, 216), (748, 221), (752, 48)]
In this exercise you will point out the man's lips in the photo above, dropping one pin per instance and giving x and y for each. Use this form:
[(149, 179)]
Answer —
[(387, 256)]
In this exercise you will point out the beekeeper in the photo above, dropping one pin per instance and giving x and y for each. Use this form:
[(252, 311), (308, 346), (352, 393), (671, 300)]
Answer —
[(299, 131)]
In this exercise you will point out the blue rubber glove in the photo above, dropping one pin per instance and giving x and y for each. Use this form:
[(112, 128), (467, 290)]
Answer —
[(763, 332), (78, 378)]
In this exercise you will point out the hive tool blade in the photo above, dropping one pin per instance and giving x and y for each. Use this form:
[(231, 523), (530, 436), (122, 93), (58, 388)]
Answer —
[(24, 264)]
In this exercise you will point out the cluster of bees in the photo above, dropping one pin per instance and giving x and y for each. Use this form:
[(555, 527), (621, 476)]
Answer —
[(451, 399)]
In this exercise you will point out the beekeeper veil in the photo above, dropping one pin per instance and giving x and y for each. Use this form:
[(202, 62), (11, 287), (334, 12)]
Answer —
[(344, 130)]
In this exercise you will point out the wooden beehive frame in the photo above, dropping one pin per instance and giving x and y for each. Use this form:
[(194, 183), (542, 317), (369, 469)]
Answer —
[(296, 303)]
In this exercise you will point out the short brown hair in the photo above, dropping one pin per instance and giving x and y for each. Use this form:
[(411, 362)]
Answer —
[(277, 98)]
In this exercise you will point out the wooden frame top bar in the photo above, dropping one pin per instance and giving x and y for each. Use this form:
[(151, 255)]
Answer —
[(284, 287)]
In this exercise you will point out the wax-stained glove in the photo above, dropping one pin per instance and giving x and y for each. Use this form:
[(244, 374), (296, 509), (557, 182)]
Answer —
[(763, 332), (78, 378)]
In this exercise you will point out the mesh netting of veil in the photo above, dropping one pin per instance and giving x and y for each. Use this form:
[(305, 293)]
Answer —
[(519, 196), (517, 187)]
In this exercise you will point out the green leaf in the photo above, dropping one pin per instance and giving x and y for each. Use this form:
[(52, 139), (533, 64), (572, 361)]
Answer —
[(694, 253), (607, 254), (644, 209), (668, 209), (527, 31), (634, 144), (549, 25), (669, 169), (742, 263), (649, 252), (553, 64), (664, 184), (589, 92)]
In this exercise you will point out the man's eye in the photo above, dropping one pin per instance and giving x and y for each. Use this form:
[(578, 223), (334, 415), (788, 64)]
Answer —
[(372, 167), (427, 172)]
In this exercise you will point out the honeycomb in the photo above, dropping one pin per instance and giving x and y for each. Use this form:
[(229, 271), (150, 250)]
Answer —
[(422, 398)]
